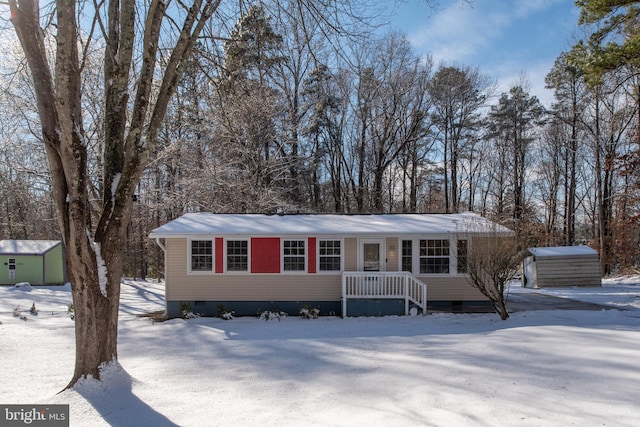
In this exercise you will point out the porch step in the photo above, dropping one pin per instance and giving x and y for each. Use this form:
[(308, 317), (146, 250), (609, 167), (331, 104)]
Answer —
[(383, 285)]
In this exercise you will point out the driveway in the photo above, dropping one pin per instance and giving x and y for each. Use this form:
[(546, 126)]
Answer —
[(534, 301)]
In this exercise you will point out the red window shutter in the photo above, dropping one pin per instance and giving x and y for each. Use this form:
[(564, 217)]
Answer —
[(311, 262), (219, 255), (265, 255)]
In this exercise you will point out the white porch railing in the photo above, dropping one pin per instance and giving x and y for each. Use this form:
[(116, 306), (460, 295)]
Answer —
[(383, 285)]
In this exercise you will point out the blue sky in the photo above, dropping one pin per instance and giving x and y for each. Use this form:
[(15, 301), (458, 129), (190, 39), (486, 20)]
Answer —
[(503, 38)]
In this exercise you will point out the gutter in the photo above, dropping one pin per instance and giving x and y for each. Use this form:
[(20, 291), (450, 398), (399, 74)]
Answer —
[(159, 243)]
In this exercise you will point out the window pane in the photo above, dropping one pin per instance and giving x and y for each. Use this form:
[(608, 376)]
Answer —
[(407, 258), (329, 255), (463, 256), (201, 255), (423, 247), (434, 256), (237, 255), (294, 263), (434, 265), (293, 255)]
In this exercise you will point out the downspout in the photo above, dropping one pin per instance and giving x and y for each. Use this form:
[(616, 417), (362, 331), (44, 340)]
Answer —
[(159, 243), (164, 251), (44, 268)]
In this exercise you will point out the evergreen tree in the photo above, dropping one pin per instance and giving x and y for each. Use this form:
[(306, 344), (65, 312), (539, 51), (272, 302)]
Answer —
[(457, 94), (615, 41), (513, 122)]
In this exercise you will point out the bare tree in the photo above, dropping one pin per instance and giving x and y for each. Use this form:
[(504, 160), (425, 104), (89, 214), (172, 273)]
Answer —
[(389, 115), (26, 211), (133, 115), (399, 111), (569, 88), (321, 95), (145, 48), (458, 94), (610, 125), (550, 169), (491, 258), (513, 122)]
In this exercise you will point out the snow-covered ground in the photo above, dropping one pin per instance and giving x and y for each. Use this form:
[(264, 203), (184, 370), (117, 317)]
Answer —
[(538, 368)]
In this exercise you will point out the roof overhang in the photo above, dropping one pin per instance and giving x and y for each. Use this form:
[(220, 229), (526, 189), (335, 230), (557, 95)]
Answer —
[(558, 251), (27, 247), (209, 224)]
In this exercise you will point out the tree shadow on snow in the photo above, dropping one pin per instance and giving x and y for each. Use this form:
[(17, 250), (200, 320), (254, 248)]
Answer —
[(142, 293), (113, 398)]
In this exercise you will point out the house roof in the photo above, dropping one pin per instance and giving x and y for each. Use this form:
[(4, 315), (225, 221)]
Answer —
[(553, 251), (198, 224), (27, 247)]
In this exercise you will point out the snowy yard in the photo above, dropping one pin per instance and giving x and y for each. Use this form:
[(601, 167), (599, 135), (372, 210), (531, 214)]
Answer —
[(538, 368)]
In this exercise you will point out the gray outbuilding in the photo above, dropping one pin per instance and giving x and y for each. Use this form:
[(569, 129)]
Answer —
[(561, 266)]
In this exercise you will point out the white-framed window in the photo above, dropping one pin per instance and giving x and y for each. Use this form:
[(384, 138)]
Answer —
[(329, 255), (237, 255), (463, 256), (293, 255), (434, 256), (201, 256), (407, 255)]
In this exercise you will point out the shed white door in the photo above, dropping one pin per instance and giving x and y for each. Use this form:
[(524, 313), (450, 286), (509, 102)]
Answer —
[(12, 268), (372, 255), (528, 271)]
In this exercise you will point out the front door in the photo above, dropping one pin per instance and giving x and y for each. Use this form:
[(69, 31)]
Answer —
[(372, 255)]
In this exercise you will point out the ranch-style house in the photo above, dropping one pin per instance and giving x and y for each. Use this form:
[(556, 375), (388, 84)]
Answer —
[(341, 264)]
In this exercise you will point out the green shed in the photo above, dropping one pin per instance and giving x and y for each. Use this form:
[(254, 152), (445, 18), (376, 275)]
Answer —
[(39, 262)]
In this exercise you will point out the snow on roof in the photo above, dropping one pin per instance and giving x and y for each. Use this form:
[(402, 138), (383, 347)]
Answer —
[(27, 247), (269, 225), (562, 250)]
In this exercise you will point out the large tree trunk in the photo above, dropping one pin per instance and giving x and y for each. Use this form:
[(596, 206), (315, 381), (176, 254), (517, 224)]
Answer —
[(445, 173), (96, 296), (361, 162), (94, 270), (604, 253), (94, 254)]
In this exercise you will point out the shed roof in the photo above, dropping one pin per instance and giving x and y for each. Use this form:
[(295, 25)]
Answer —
[(556, 251), (195, 224), (27, 247)]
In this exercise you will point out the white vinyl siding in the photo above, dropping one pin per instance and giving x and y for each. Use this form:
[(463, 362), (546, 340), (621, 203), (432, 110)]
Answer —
[(182, 286)]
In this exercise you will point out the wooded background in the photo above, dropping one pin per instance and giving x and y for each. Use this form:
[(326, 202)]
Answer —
[(276, 117)]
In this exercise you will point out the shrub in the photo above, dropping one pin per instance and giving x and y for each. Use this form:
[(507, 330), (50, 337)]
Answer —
[(17, 312), (223, 313), (186, 312), (272, 315), (309, 312)]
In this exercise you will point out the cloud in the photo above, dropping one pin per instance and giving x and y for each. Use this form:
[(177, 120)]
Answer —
[(461, 32), (458, 33), (504, 38), (525, 8), (534, 75)]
